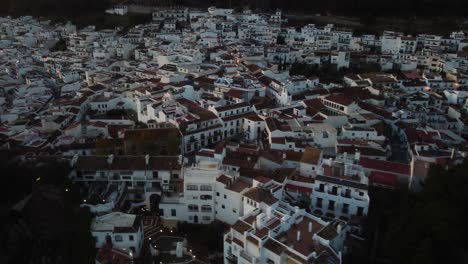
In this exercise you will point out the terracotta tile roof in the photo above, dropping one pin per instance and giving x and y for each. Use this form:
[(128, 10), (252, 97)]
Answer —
[(241, 226), (340, 99), (387, 166), (260, 195), (223, 179), (311, 156)]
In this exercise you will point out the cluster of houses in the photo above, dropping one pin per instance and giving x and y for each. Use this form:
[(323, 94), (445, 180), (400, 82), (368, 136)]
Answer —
[(196, 117)]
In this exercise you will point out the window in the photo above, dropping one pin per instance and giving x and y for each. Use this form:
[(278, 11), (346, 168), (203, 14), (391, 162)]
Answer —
[(222, 206), (319, 202), (192, 187), (118, 238), (217, 193), (161, 212), (331, 205), (193, 208), (345, 209), (325, 134), (206, 208), (130, 237), (334, 190), (173, 212), (155, 174), (348, 193), (225, 197), (321, 187), (205, 188), (206, 197), (234, 210), (206, 218), (360, 211), (175, 175)]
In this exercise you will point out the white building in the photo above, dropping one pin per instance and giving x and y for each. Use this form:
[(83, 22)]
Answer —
[(123, 231), (340, 190), (282, 234), (196, 203)]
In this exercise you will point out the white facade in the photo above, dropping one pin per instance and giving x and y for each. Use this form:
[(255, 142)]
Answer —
[(124, 231), (340, 190)]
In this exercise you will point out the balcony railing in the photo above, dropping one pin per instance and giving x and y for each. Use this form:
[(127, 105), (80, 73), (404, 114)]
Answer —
[(319, 190), (152, 189), (347, 195), (246, 256), (231, 258)]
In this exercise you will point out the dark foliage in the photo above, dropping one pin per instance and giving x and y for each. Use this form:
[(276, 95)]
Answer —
[(426, 227), (61, 45), (50, 227)]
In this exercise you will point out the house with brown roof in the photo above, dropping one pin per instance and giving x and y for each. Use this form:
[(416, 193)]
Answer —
[(265, 236)]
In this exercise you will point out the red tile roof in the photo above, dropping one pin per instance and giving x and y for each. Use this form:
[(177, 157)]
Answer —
[(299, 189), (340, 99), (386, 166), (383, 178)]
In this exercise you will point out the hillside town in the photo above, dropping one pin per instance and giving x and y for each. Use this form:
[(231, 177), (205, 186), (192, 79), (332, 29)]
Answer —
[(216, 116)]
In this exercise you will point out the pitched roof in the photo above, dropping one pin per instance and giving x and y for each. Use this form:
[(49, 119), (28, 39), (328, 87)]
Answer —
[(383, 165)]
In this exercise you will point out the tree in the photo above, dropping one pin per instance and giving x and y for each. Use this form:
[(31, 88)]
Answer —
[(280, 40), (280, 66), (50, 221), (61, 45), (424, 227)]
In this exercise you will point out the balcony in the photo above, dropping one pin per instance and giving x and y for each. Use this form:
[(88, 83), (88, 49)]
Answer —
[(152, 189), (319, 190), (231, 259), (247, 256), (346, 195)]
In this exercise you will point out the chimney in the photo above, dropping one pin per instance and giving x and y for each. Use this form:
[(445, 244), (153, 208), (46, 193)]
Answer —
[(110, 159), (74, 160), (357, 155), (338, 228), (179, 249), (298, 235), (310, 227), (147, 157)]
